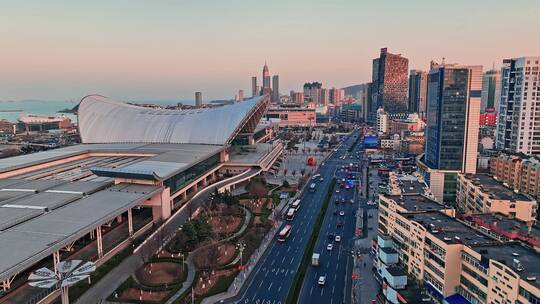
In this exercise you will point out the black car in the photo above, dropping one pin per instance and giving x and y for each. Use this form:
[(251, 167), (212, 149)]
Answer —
[(330, 236), (339, 224)]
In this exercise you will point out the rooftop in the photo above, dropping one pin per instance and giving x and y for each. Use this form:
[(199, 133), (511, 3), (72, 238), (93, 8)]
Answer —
[(448, 229), (505, 223), (507, 253), (416, 202), (495, 188), (103, 120)]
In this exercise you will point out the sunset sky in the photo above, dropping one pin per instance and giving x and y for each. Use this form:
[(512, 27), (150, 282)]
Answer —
[(165, 49)]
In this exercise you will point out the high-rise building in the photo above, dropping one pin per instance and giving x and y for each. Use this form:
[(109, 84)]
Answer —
[(275, 89), (390, 80), (517, 126), (336, 96), (254, 87), (198, 100), (297, 97), (453, 109), (266, 77), (418, 92), (491, 90), (312, 92), (240, 95), (325, 97)]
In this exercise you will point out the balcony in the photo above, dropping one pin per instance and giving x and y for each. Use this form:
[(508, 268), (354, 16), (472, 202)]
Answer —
[(388, 256), (395, 277)]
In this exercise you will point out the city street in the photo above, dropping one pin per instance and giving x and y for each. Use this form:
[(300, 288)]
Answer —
[(273, 276), (336, 264)]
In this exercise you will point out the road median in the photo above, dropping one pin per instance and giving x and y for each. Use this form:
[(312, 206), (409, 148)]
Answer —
[(296, 286)]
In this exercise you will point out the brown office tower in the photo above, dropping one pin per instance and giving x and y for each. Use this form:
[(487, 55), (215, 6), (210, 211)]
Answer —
[(390, 80)]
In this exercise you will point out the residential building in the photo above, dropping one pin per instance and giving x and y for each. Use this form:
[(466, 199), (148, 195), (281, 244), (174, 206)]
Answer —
[(390, 81), (254, 87), (517, 129), (452, 127), (312, 92), (336, 95), (480, 193), (382, 121), (325, 97), (275, 89), (453, 261), (518, 171), (418, 92), (297, 97), (352, 112), (491, 90), (198, 100)]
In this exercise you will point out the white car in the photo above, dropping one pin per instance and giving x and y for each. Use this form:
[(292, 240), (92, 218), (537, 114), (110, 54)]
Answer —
[(329, 247), (342, 213), (337, 190), (337, 238), (322, 280)]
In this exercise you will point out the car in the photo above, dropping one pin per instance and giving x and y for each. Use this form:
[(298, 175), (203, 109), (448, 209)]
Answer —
[(337, 238), (337, 201), (343, 200), (330, 236), (329, 247), (339, 224), (322, 280), (370, 216), (321, 179), (337, 190), (335, 212), (342, 213), (347, 187), (352, 201)]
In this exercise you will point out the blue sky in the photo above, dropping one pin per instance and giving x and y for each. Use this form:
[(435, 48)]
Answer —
[(145, 50)]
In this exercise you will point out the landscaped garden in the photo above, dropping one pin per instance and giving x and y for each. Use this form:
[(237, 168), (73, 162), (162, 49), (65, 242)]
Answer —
[(214, 245)]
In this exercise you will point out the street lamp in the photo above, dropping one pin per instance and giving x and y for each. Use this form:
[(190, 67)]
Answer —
[(241, 246), (68, 273)]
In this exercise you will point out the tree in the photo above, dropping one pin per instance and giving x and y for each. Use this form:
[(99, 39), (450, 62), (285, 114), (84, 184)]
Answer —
[(303, 171), (285, 184)]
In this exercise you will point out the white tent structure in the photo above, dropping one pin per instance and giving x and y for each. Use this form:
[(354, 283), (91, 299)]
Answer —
[(102, 120)]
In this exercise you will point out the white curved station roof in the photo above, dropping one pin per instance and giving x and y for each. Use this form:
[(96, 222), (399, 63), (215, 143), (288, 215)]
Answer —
[(102, 120)]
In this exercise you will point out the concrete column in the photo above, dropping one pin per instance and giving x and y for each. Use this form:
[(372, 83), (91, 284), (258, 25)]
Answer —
[(130, 222), (99, 242), (6, 284), (56, 260), (119, 219)]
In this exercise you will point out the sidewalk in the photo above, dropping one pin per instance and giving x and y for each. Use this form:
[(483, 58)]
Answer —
[(191, 266)]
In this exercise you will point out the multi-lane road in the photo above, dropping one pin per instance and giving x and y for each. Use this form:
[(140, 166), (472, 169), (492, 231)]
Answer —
[(272, 278), (336, 263)]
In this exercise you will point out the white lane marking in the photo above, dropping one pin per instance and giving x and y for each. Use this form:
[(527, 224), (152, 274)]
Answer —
[(270, 286)]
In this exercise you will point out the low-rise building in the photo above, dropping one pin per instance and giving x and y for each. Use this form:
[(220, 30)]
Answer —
[(28, 123), (480, 193), (505, 228), (453, 261), (291, 115)]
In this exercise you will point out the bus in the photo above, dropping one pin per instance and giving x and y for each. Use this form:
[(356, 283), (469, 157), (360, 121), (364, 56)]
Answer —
[(312, 187), (284, 233), (296, 204), (290, 214)]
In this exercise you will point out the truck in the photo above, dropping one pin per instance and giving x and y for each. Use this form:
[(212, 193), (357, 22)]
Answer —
[(315, 259)]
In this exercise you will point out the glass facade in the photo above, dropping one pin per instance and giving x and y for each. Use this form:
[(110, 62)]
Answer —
[(183, 178), (447, 101)]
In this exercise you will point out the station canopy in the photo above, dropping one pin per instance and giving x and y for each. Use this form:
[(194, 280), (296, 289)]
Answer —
[(103, 120)]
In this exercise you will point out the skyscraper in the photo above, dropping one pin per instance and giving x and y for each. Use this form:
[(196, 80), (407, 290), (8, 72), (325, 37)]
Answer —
[(325, 97), (254, 88), (336, 96), (491, 90), (390, 81), (266, 77), (312, 92), (240, 95), (418, 92), (517, 126), (275, 89), (453, 109), (198, 100)]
